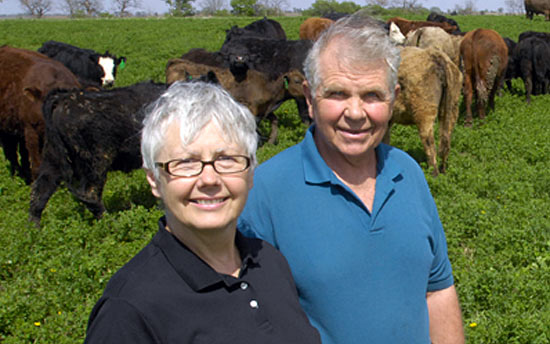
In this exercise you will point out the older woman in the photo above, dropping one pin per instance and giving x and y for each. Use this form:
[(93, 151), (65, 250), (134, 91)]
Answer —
[(199, 280)]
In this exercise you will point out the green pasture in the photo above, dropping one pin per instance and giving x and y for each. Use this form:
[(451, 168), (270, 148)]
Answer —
[(494, 200)]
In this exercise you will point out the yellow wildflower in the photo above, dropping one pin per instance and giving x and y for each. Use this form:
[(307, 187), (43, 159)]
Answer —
[(473, 324), (37, 323)]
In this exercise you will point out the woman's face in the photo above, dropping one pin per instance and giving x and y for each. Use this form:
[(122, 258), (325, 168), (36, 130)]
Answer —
[(209, 201)]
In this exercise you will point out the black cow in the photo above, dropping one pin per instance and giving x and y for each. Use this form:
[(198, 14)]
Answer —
[(263, 28), (274, 57), (438, 18), (270, 56), (92, 68), (542, 35), (531, 56), (334, 15), (512, 70), (87, 135)]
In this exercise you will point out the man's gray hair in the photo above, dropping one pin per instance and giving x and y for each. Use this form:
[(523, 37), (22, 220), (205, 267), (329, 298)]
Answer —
[(193, 105), (366, 40)]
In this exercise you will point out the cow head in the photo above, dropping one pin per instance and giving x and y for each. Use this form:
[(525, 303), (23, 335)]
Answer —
[(234, 32), (395, 34), (109, 64)]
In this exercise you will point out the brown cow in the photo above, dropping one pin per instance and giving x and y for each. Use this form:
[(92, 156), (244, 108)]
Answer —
[(26, 77), (430, 89), (258, 92), (407, 26), (485, 57), (313, 27)]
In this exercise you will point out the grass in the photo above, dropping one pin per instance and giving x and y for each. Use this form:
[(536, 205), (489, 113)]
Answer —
[(493, 201)]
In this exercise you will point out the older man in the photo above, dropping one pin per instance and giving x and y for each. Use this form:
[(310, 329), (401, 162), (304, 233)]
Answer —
[(354, 217)]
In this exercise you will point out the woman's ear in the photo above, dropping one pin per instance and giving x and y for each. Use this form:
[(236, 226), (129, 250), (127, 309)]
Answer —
[(152, 180)]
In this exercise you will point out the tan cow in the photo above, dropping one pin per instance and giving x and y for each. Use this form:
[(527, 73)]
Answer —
[(436, 37), (430, 90)]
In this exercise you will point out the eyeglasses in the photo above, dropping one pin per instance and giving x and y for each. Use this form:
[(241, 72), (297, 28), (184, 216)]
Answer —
[(223, 164)]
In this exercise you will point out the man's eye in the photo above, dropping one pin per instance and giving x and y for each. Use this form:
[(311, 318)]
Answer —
[(373, 97), (336, 95)]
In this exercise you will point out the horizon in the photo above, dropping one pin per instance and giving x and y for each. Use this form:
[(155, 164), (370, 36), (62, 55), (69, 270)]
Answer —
[(14, 8)]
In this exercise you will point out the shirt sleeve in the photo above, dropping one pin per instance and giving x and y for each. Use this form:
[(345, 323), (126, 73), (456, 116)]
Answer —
[(441, 274), (117, 321), (255, 220)]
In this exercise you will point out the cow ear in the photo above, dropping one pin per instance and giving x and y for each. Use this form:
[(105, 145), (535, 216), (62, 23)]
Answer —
[(33, 93), (121, 62)]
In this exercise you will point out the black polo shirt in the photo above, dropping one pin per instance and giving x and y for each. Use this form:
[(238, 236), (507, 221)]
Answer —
[(167, 294)]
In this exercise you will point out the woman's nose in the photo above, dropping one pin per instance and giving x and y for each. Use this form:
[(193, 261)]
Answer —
[(209, 176)]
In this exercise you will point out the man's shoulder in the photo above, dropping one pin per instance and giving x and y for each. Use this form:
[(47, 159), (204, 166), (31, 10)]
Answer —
[(280, 164), (401, 159)]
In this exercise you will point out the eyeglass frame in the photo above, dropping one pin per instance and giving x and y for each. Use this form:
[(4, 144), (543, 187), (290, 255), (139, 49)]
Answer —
[(164, 166)]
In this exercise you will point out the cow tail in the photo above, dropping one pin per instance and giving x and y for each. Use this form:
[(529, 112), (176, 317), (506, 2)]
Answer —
[(49, 103)]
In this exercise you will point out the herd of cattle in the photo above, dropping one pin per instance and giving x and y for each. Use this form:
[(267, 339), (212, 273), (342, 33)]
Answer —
[(59, 125)]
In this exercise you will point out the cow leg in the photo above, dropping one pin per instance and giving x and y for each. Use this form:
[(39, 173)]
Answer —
[(274, 128), (426, 132), (44, 186), (528, 81), (468, 90), (527, 76), (90, 192), (493, 93), (32, 144), (10, 144), (25, 162)]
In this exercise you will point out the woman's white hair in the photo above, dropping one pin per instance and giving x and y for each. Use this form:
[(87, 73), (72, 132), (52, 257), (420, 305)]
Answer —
[(193, 105)]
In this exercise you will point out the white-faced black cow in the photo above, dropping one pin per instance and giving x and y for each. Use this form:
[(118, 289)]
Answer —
[(87, 135), (91, 67)]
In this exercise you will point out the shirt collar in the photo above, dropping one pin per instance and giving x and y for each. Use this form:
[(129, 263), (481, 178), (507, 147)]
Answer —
[(316, 170), (192, 269)]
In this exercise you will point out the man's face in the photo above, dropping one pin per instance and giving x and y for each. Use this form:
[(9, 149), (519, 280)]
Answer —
[(351, 107)]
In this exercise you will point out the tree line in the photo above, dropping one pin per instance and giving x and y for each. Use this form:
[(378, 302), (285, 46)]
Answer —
[(181, 8)]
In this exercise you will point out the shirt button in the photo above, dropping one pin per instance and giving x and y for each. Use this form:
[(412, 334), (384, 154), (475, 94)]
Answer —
[(244, 285), (254, 304)]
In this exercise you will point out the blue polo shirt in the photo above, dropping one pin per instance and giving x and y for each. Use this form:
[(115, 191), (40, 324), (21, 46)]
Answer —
[(362, 277)]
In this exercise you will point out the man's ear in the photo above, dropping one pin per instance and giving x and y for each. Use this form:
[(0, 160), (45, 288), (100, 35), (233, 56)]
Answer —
[(309, 99), (152, 180), (396, 91)]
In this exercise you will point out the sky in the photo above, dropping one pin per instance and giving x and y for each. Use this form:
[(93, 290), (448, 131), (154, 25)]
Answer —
[(10, 7)]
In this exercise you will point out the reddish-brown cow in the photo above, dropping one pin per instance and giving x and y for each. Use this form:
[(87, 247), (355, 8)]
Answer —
[(26, 77), (313, 27), (485, 57), (407, 26)]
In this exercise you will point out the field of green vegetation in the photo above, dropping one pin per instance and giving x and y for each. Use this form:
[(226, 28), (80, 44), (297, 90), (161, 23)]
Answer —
[(494, 200)]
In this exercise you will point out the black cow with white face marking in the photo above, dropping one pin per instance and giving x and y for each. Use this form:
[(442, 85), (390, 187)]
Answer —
[(90, 67)]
